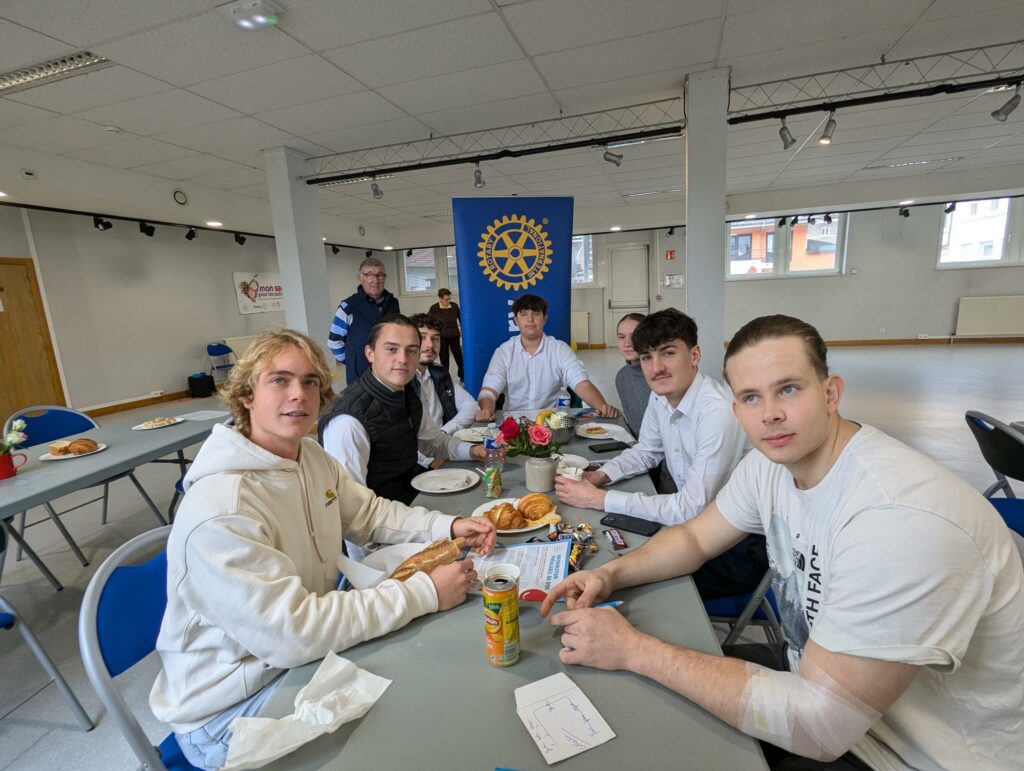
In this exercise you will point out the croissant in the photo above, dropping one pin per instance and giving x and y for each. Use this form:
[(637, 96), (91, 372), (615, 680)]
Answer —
[(439, 553), (535, 506), (82, 446)]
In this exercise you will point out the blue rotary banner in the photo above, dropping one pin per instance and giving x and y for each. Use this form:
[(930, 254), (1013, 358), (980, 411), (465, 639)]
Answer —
[(505, 248)]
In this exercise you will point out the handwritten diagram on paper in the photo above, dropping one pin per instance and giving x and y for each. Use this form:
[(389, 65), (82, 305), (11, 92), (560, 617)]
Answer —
[(560, 718)]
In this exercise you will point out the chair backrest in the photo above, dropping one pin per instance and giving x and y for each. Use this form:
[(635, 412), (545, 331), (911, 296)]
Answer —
[(218, 349), (119, 623), (1001, 446), (47, 422)]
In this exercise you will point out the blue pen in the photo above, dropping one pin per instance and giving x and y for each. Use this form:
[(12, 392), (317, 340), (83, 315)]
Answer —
[(610, 604)]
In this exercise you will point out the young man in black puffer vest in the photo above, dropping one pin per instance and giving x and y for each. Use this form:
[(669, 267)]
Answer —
[(376, 426)]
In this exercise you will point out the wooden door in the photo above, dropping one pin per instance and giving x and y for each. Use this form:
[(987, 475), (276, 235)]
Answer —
[(28, 368)]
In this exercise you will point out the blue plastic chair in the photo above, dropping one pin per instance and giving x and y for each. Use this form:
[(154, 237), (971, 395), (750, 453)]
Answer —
[(739, 611), (222, 359), (1003, 450), (10, 619), (118, 626), (44, 424)]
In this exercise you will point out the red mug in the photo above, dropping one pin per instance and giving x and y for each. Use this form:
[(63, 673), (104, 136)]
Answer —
[(7, 465)]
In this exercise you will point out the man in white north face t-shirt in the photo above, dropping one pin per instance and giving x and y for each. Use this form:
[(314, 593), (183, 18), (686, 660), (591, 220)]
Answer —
[(901, 590)]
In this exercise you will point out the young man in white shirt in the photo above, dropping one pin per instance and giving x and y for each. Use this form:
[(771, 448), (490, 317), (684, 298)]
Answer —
[(900, 588), (378, 424), (532, 369), (251, 559), (446, 402), (689, 425)]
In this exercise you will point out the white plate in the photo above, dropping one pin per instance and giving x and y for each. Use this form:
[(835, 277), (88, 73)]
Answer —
[(144, 427), (608, 430), (47, 455), (485, 507), (577, 461), (472, 435), (445, 480)]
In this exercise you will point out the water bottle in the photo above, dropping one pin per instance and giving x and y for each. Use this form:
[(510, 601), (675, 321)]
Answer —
[(495, 452)]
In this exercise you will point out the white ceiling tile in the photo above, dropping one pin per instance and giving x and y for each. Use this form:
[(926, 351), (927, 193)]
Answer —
[(131, 152), (483, 84), (326, 24), (507, 112), (234, 179), (676, 49), (554, 25), (63, 134), (253, 191), (20, 46), (282, 84), (374, 135), (188, 168), (966, 30), (945, 9), (92, 89), (159, 113), (83, 23), (227, 135), (201, 48), (15, 113), (931, 137), (437, 50), (325, 115)]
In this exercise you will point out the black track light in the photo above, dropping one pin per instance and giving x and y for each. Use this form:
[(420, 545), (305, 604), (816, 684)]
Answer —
[(191, 234), (614, 158), (786, 136), (335, 249), (101, 224), (794, 220), (478, 178), (146, 229), (904, 211), (1004, 112), (782, 222), (377, 192), (671, 232), (950, 207), (408, 252), (369, 252), (810, 219), (239, 239), (828, 219)]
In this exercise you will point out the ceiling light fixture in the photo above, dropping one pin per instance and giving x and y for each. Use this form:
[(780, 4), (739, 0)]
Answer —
[(786, 135), (101, 224), (613, 158), (46, 72), (388, 247), (671, 232), (950, 207), (750, 217), (904, 212), (810, 219), (478, 178), (1012, 104), (632, 142), (354, 180), (828, 219), (782, 222), (191, 234), (377, 192), (251, 14), (335, 249), (369, 252), (794, 220), (239, 239), (653, 192), (900, 164), (146, 229), (615, 228), (906, 203), (830, 129), (3, 194), (408, 252), (214, 224)]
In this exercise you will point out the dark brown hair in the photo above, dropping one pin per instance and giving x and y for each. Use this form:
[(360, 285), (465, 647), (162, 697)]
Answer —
[(662, 327), (423, 320), (772, 328), (530, 302), (393, 318), (442, 292), (630, 317)]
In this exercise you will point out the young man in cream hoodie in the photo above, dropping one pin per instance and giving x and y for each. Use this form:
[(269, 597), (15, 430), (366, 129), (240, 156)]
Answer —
[(251, 560)]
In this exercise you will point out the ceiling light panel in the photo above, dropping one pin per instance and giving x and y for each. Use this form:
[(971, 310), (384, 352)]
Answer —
[(34, 75)]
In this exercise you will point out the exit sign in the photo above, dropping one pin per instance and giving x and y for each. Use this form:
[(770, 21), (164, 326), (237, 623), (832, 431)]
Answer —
[(670, 254)]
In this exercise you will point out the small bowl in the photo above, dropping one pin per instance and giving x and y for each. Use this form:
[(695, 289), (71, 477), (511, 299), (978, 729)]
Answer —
[(566, 433)]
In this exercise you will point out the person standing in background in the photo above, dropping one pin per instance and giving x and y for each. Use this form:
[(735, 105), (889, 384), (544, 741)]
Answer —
[(357, 315), (630, 383), (446, 313)]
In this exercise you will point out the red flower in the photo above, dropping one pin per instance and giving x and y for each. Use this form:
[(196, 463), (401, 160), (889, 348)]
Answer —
[(509, 429), (540, 435)]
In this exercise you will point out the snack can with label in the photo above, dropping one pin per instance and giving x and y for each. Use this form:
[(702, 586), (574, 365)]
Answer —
[(501, 615)]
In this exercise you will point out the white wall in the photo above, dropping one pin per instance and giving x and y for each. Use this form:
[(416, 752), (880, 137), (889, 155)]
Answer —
[(133, 315), (12, 234), (897, 286)]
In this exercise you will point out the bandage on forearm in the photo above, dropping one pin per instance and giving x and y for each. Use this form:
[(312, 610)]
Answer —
[(808, 714)]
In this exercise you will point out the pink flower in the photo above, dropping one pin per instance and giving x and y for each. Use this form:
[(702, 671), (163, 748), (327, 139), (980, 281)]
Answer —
[(509, 429), (540, 435)]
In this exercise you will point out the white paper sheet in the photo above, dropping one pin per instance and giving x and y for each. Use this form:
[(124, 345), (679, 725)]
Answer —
[(205, 415), (541, 565), (560, 718), (338, 693)]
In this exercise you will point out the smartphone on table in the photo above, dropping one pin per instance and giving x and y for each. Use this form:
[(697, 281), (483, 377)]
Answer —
[(607, 446), (631, 524)]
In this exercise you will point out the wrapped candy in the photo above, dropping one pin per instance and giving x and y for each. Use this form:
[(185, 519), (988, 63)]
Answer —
[(492, 481)]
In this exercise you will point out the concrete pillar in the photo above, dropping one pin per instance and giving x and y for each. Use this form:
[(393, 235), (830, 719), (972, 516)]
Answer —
[(300, 247), (706, 97)]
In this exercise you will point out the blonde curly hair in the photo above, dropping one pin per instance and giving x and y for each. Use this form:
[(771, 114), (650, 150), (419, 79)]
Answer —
[(243, 376)]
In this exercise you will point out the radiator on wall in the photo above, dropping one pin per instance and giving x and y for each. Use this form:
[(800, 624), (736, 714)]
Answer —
[(580, 327), (1003, 315)]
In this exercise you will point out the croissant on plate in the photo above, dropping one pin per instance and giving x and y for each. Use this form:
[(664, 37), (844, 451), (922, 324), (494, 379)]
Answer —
[(505, 517), (535, 506), (82, 446)]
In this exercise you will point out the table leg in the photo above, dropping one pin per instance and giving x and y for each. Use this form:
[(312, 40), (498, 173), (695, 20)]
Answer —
[(30, 553)]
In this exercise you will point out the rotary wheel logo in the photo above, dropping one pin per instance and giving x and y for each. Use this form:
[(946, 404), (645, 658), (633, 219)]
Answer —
[(515, 252)]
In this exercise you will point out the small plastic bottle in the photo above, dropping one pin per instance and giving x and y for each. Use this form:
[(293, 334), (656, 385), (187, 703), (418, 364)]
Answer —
[(495, 452)]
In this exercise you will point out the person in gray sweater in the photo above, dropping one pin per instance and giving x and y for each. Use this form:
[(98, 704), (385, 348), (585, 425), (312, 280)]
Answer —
[(632, 387)]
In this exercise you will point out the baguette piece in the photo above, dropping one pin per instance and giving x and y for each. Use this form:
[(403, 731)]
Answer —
[(60, 447), (439, 553)]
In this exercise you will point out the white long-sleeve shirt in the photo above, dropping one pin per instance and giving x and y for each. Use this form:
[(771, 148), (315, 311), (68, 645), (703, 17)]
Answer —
[(532, 381), (465, 409), (701, 443), (346, 439)]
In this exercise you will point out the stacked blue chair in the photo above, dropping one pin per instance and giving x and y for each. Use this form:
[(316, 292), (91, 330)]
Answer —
[(118, 626), (1003, 450), (739, 611)]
